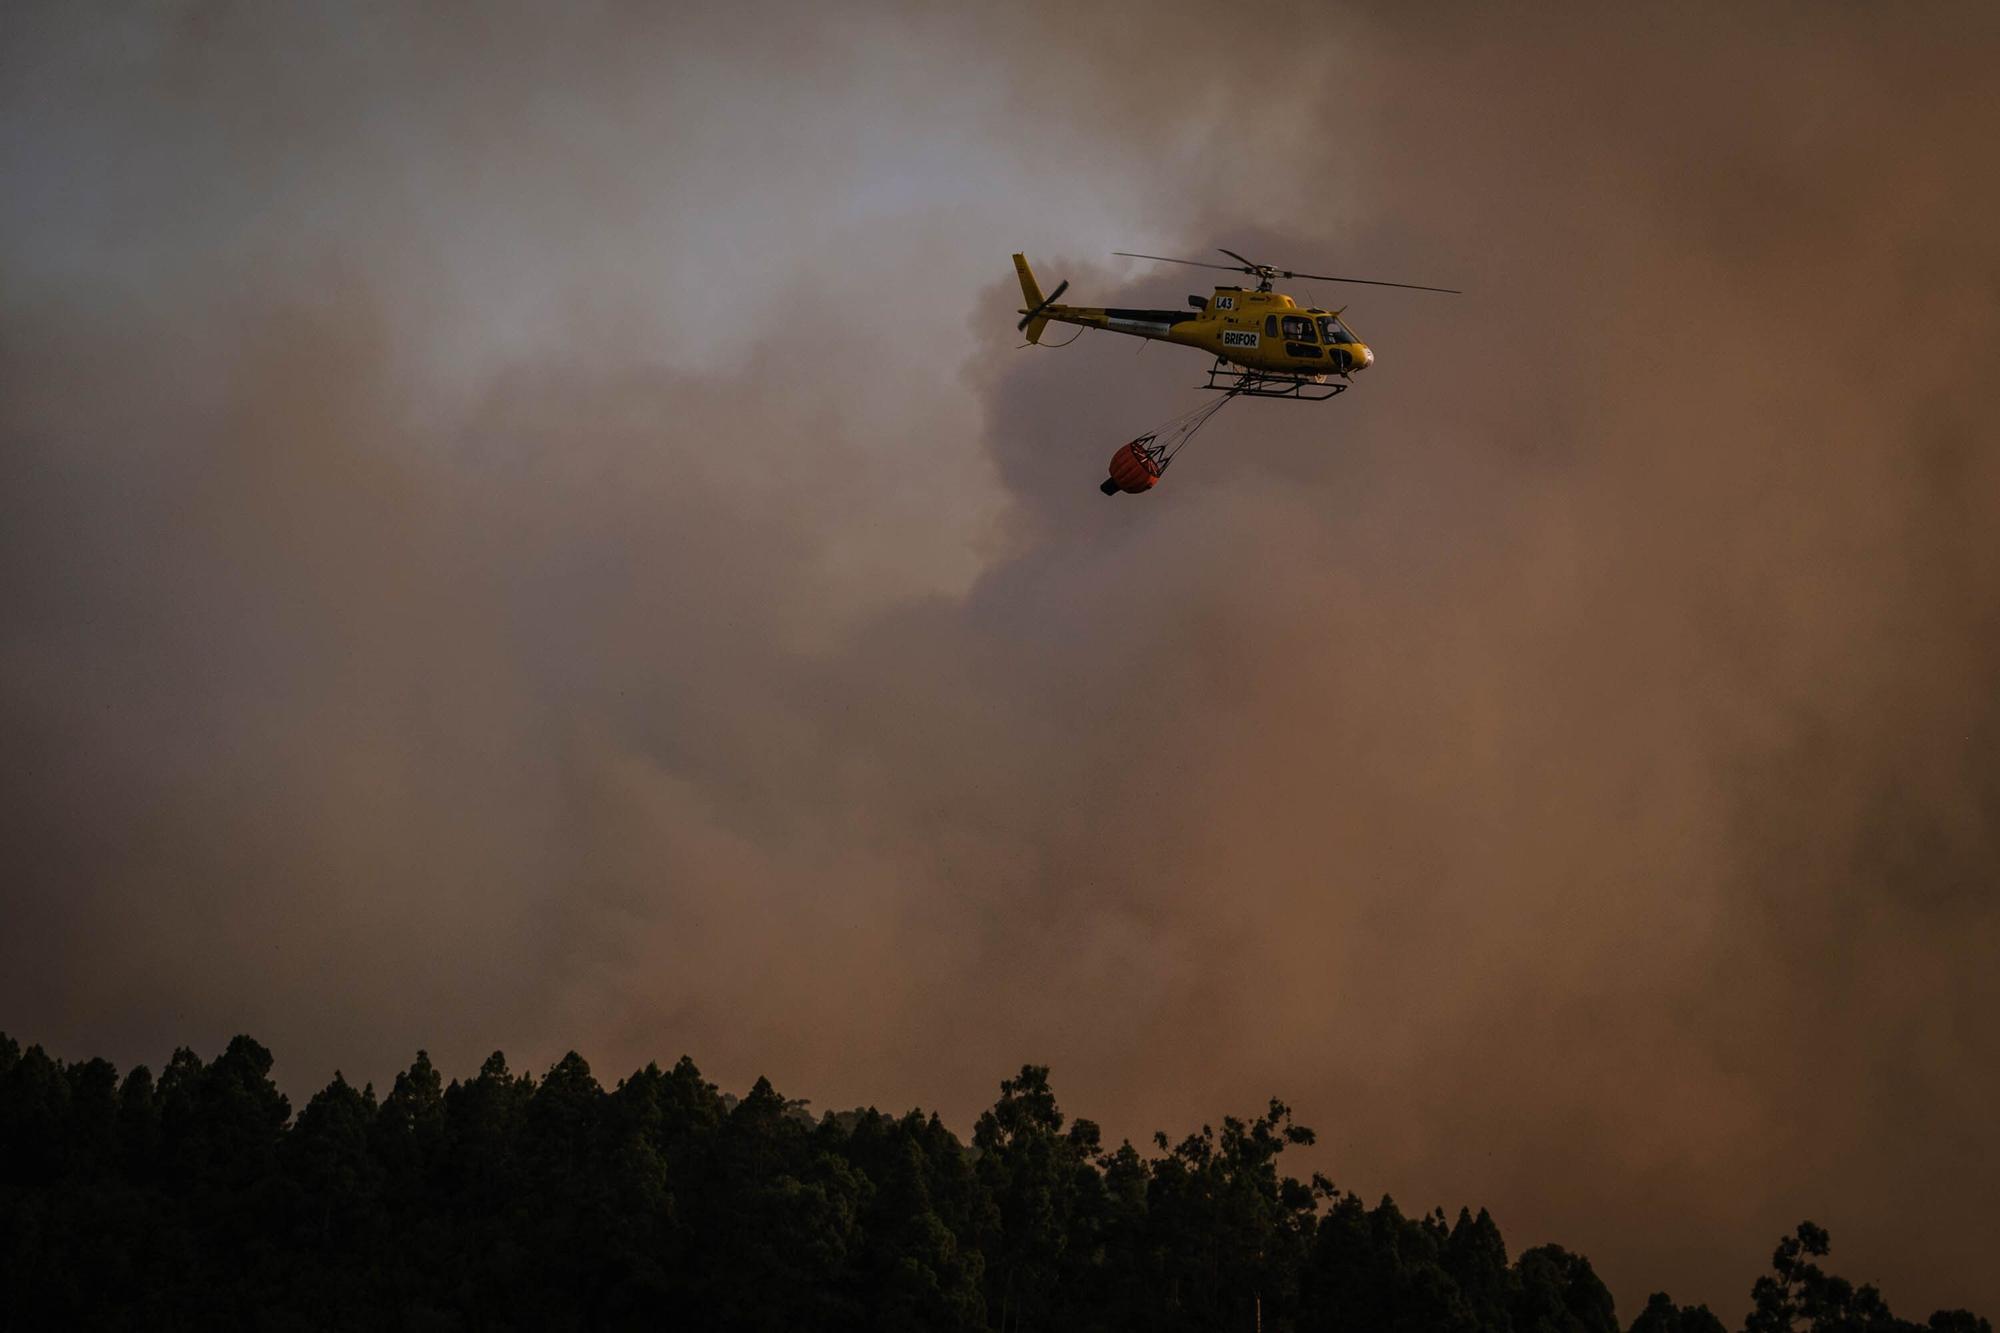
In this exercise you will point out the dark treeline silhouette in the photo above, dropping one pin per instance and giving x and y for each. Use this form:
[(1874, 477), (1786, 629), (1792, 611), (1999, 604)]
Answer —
[(197, 1200)]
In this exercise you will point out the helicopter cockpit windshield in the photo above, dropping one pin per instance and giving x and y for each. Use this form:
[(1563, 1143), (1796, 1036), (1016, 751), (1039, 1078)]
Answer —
[(1331, 331)]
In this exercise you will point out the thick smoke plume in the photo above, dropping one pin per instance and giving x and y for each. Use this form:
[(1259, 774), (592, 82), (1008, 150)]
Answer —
[(533, 532)]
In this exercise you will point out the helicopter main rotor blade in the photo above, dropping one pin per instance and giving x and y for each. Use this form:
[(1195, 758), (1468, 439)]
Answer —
[(1198, 263), (1260, 269), (1372, 282)]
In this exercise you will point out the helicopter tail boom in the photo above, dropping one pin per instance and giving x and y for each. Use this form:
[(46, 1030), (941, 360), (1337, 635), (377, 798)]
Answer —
[(1040, 310)]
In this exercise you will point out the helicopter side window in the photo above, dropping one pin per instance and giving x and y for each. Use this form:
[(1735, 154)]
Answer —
[(1333, 331), (1298, 329), (1270, 326)]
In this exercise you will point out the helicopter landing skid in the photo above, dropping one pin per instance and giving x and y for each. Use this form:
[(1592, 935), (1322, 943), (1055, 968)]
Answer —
[(1236, 381)]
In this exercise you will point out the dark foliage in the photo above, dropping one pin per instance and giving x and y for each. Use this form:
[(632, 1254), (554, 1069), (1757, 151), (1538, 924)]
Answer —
[(199, 1200)]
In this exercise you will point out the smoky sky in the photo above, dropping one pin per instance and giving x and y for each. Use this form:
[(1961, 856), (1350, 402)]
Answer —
[(530, 529)]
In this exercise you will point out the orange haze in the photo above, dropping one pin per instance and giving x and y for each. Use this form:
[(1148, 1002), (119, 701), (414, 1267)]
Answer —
[(532, 531)]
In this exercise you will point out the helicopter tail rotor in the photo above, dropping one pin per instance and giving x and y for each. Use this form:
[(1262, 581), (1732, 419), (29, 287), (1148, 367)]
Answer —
[(1035, 315), (1031, 292)]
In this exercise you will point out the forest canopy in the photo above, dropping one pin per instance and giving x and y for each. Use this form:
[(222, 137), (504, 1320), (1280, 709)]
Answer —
[(198, 1198)]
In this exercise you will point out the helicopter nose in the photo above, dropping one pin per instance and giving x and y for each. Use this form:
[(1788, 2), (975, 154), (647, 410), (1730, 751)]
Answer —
[(1367, 356)]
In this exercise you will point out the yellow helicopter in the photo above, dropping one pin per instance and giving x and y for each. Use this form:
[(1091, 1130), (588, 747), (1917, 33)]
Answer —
[(1265, 345)]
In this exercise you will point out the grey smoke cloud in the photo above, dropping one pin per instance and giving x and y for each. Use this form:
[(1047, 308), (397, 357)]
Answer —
[(535, 534)]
